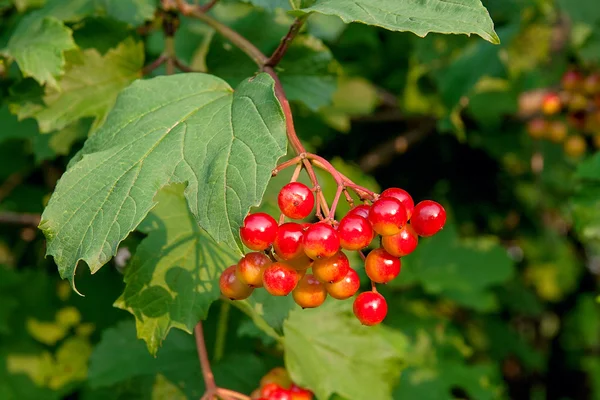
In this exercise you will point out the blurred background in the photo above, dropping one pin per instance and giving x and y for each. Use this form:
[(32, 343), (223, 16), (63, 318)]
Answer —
[(503, 304)]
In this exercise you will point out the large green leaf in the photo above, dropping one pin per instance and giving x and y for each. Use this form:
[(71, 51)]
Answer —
[(329, 351), (183, 128), (38, 47), (174, 276), (89, 87), (418, 16), (463, 271)]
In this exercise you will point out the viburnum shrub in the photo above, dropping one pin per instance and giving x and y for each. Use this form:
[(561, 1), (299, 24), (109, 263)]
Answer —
[(308, 259)]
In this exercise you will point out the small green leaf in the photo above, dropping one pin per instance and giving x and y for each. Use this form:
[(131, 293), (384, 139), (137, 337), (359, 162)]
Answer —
[(182, 128), (360, 363), (133, 12), (418, 16), (89, 87), (38, 47), (174, 277)]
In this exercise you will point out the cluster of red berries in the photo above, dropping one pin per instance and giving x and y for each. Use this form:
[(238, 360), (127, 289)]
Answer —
[(570, 113), (283, 253), (277, 385)]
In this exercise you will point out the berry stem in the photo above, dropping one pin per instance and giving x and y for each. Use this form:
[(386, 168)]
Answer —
[(348, 198), (231, 394), (285, 42), (296, 173), (209, 378), (336, 199), (286, 164), (221, 331)]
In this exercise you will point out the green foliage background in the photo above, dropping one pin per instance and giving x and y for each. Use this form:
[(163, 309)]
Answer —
[(501, 304)]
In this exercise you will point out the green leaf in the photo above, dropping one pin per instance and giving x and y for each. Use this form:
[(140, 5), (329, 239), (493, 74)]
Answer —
[(89, 87), (23, 5), (581, 11), (463, 271), (271, 5), (133, 12), (183, 128), (309, 72), (38, 47), (418, 16), (360, 362), (59, 143), (174, 277)]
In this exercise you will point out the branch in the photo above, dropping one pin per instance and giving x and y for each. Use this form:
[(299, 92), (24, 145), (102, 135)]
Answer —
[(285, 42), (209, 378), (9, 217)]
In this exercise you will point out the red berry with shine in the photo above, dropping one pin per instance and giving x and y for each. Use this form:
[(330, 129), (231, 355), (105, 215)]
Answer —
[(355, 232), (232, 287), (320, 241), (310, 292), (345, 288), (360, 210), (551, 103), (280, 394), (381, 266), (258, 231), (429, 217), (296, 200), (402, 243), (288, 241), (268, 389), (370, 308), (280, 279), (299, 393), (402, 195), (387, 216), (331, 269), (251, 267)]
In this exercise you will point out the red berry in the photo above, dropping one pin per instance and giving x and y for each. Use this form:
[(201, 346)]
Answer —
[(251, 267), (402, 243), (232, 287), (387, 216), (345, 288), (320, 241), (403, 196), (281, 394), (258, 231), (280, 279), (571, 80), (429, 217), (268, 389), (551, 103), (310, 292), (332, 269), (296, 200), (381, 266), (288, 241), (361, 210), (355, 232), (299, 393), (370, 308)]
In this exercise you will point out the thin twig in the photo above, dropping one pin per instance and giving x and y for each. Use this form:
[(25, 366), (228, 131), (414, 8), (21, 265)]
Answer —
[(209, 378), (154, 64), (285, 42), (8, 217), (206, 7), (181, 66)]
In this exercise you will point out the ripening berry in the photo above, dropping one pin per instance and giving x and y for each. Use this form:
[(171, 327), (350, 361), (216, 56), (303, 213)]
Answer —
[(250, 268), (320, 241), (551, 103), (381, 266), (345, 288), (277, 375), (575, 146), (537, 128), (360, 210), (355, 232), (232, 287), (299, 393), (280, 394), (403, 196), (268, 389), (571, 80), (310, 292), (288, 241), (557, 131), (402, 243), (280, 279), (591, 84), (578, 102), (370, 308), (331, 269), (258, 231), (387, 216), (429, 217), (296, 200)]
